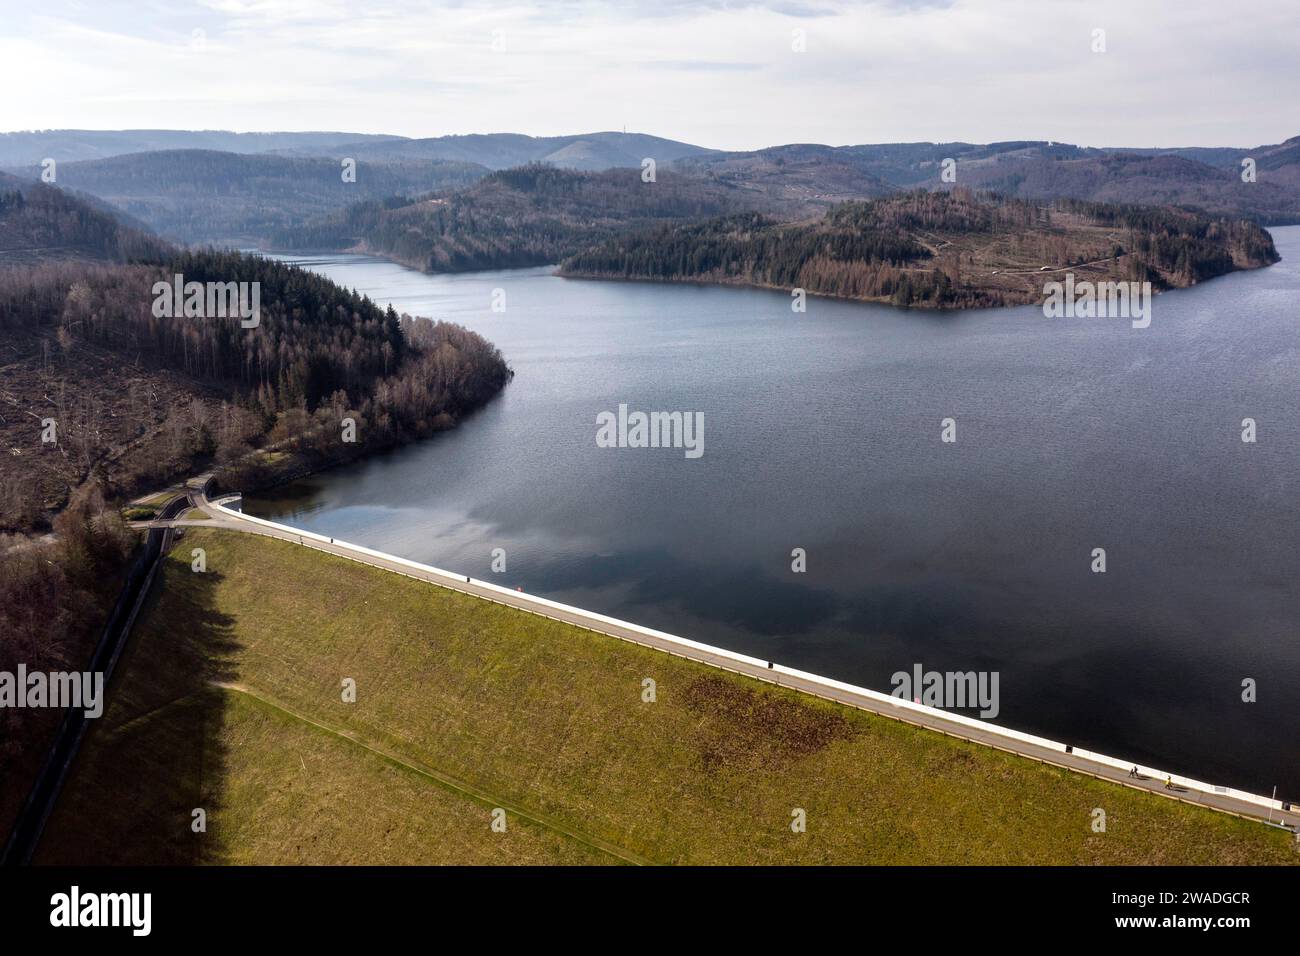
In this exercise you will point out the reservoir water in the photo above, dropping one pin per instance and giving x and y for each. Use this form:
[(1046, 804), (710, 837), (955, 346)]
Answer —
[(822, 431)]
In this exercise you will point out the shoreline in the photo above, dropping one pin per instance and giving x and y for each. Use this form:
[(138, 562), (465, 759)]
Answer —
[(876, 300), (559, 272), (298, 465)]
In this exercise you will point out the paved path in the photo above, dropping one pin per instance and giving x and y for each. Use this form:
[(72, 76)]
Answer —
[(931, 719)]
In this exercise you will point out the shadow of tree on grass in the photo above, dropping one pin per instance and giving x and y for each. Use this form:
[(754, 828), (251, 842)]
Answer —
[(157, 754)]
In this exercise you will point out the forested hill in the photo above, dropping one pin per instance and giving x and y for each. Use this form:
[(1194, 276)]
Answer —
[(141, 399), (943, 250), (531, 215), (1152, 180), (40, 223), (100, 398), (205, 196), (1207, 179)]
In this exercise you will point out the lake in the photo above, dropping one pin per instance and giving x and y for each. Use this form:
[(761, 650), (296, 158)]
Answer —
[(822, 431)]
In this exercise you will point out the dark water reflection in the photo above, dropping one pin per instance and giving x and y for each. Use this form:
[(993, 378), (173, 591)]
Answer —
[(822, 432)]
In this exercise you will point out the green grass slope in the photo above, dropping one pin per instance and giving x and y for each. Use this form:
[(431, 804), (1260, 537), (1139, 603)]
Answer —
[(230, 698)]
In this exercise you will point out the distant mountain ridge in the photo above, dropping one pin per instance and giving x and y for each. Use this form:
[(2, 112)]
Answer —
[(1202, 177), (257, 188), (1164, 179), (588, 152), (30, 147), (585, 151)]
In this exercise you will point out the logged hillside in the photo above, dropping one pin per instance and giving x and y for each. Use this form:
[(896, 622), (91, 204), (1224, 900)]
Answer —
[(222, 198), (99, 397), (806, 177), (942, 250), (532, 215), (538, 214), (137, 401), (140, 399), (40, 223)]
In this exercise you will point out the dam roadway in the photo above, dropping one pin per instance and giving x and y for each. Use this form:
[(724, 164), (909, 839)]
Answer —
[(1045, 751)]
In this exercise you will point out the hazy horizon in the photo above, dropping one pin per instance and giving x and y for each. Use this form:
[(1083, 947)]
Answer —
[(630, 132), (721, 75)]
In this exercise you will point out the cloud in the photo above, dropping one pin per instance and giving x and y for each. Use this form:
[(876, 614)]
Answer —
[(723, 74)]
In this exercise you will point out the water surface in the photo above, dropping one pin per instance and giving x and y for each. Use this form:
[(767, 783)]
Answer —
[(822, 432)]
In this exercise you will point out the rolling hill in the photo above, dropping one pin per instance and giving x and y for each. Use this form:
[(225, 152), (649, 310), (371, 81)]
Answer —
[(205, 196), (30, 147), (1273, 199), (40, 223), (277, 188), (808, 176), (98, 396), (1203, 178), (953, 249), (532, 215), (590, 152)]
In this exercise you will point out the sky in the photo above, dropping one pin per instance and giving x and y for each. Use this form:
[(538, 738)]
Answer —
[(724, 75)]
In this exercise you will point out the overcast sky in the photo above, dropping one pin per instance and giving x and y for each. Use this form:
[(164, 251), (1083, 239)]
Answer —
[(1174, 72)]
